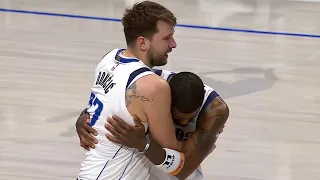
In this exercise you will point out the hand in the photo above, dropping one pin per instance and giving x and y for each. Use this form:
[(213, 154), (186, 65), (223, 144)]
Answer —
[(84, 131), (122, 133)]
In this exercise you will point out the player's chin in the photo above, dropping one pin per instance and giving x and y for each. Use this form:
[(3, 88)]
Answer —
[(165, 61), (165, 58), (161, 63)]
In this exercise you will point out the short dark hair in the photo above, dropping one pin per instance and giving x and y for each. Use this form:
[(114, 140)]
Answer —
[(187, 92), (142, 19)]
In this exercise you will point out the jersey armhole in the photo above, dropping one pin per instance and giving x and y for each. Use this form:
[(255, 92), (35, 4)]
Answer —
[(138, 74), (209, 99)]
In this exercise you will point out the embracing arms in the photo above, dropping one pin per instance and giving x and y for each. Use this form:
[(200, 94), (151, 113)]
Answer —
[(149, 99), (196, 148), (202, 141)]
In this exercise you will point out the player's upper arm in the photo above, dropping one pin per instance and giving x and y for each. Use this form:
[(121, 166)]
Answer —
[(158, 110), (210, 124), (201, 142)]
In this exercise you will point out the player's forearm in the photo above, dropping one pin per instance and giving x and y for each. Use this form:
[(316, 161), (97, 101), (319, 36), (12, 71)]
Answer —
[(167, 160), (156, 154), (201, 142), (192, 162), (193, 156)]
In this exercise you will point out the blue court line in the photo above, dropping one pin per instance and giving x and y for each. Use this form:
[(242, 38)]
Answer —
[(178, 25)]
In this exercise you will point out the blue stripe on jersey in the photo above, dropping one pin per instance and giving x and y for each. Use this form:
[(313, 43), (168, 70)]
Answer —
[(199, 172), (135, 74), (172, 74), (157, 71), (210, 98), (125, 60), (127, 165), (108, 161)]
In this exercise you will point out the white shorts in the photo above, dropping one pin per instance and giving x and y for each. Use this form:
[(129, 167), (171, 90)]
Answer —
[(157, 174), (196, 175)]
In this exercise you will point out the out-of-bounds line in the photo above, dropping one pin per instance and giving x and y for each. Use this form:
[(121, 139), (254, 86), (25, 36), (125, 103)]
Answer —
[(249, 31), (178, 25)]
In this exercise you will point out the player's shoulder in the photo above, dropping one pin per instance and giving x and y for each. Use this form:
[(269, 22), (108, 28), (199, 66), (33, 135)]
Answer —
[(152, 85), (162, 72), (208, 88), (110, 55), (217, 104)]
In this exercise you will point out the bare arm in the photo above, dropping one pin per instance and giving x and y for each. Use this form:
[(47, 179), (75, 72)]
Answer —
[(196, 148), (200, 143), (153, 94)]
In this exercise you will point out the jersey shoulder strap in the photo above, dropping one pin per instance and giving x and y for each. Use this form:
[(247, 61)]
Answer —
[(165, 74)]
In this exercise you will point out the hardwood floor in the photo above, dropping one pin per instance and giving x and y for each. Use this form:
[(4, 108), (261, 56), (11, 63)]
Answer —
[(270, 81)]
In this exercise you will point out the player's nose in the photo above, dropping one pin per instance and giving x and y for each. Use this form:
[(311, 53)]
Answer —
[(173, 43)]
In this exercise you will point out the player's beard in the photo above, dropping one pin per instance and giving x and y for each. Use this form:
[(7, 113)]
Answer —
[(155, 58)]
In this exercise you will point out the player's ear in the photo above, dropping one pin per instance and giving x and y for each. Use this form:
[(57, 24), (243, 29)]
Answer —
[(143, 43)]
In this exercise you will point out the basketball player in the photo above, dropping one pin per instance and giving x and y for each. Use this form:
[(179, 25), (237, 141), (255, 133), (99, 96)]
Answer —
[(125, 85), (199, 121)]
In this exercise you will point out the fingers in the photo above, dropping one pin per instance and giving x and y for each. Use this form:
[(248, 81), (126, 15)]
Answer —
[(115, 126), (87, 139), (84, 146), (137, 121), (121, 123), (89, 129), (112, 128), (87, 118), (92, 139), (86, 126), (85, 143), (113, 139), (86, 131)]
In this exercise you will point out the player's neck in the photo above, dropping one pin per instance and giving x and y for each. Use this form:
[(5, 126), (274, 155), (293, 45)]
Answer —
[(130, 53)]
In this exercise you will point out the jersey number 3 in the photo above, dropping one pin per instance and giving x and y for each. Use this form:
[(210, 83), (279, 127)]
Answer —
[(94, 101)]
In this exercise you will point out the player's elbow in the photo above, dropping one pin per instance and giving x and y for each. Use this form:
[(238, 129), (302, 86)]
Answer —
[(223, 110)]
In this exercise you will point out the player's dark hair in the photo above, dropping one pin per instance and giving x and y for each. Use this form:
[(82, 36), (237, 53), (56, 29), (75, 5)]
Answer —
[(142, 19), (187, 92)]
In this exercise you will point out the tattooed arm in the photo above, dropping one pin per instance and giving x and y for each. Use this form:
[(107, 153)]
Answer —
[(195, 149), (200, 143), (149, 98)]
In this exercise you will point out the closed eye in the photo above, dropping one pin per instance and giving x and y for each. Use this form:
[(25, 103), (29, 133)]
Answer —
[(167, 38)]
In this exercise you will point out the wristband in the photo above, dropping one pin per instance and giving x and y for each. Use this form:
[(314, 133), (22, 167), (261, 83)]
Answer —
[(147, 145), (173, 162)]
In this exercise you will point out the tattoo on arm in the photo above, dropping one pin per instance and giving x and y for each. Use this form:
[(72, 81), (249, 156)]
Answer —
[(208, 131), (131, 93)]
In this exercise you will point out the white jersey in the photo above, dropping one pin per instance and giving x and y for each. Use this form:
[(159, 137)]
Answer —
[(183, 132), (109, 161)]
